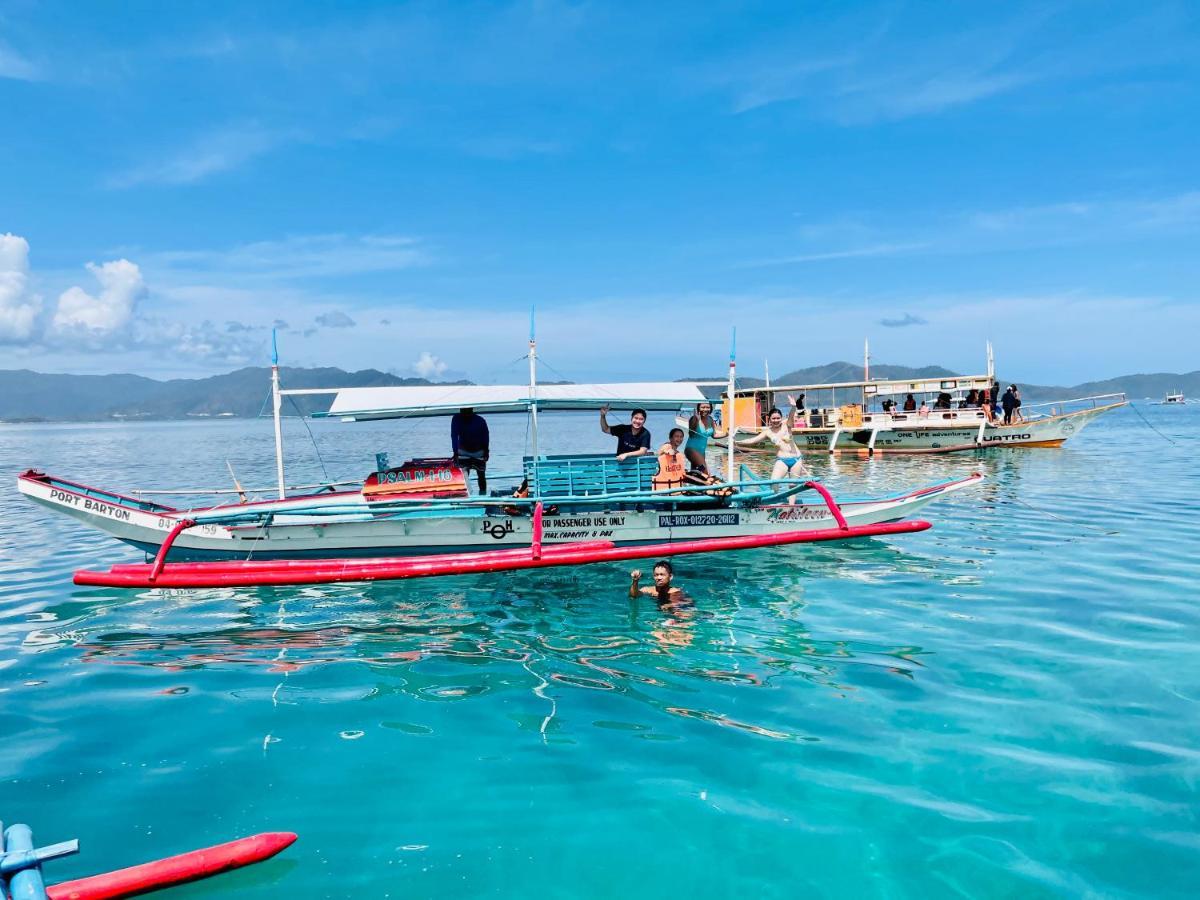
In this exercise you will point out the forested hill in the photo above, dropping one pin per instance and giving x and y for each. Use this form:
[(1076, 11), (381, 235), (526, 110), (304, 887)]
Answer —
[(26, 395)]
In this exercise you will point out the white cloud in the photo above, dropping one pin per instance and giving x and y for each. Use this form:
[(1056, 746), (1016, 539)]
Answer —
[(302, 256), (19, 307), (218, 151), (894, 249), (429, 366), (106, 313), (16, 67), (335, 319)]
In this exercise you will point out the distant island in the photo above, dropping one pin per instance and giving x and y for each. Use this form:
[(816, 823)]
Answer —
[(27, 396)]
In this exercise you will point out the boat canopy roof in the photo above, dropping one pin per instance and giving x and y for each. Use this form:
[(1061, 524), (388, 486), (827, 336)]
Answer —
[(884, 387), (367, 403)]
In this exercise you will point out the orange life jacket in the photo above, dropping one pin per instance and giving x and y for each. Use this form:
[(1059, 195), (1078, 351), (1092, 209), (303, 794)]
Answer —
[(671, 468)]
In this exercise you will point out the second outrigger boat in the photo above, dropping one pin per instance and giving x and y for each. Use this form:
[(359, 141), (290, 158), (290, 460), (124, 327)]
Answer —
[(419, 519), (861, 423)]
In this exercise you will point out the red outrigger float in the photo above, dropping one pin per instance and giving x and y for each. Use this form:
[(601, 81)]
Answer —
[(21, 867), (249, 573)]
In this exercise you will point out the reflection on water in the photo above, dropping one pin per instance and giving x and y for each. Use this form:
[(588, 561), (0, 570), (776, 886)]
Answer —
[(576, 633)]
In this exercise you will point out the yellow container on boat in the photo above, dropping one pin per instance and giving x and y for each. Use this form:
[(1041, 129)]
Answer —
[(747, 413), (851, 416)]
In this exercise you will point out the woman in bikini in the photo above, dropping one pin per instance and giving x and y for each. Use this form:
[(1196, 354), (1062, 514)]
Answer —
[(788, 463), (700, 428)]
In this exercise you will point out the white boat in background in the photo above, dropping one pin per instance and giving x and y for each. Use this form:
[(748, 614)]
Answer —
[(1173, 398), (867, 416)]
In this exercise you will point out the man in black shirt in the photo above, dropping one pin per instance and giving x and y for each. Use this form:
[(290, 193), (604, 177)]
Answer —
[(632, 439)]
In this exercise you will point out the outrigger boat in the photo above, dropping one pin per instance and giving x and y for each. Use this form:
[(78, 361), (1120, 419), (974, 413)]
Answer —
[(862, 424), (1173, 398), (418, 519)]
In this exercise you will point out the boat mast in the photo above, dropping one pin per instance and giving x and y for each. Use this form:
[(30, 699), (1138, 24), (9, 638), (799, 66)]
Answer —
[(866, 368), (729, 426), (991, 363), (533, 418), (276, 402)]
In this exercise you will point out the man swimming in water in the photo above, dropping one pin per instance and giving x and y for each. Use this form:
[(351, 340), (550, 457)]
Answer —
[(663, 591)]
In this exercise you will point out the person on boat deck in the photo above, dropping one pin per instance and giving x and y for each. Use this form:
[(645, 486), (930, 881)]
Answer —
[(1017, 417), (943, 401), (788, 463), (672, 463), (923, 410), (985, 404), (910, 405), (632, 439), (469, 440), (701, 427), (1009, 403), (971, 400), (663, 591), (889, 406)]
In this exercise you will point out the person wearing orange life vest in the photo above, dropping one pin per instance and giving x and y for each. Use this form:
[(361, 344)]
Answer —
[(672, 463)]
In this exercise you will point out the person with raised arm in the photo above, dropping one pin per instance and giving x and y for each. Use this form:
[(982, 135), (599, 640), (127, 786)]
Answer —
[(632, 439), (701, 428), (788, 463)]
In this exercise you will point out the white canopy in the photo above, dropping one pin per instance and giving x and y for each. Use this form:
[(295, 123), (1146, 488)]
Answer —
[(362, 404)]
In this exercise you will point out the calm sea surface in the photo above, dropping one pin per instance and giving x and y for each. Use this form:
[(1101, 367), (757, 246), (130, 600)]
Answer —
[(1005, 706)]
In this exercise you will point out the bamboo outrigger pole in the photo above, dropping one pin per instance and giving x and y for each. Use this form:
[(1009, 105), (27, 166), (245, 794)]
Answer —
[(276, 401)]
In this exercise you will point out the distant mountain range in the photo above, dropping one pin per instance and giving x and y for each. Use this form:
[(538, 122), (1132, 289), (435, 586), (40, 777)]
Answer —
[(33, 396)]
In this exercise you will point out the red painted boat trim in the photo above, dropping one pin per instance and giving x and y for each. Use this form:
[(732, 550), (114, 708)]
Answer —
[(173, 870), (219, 574)]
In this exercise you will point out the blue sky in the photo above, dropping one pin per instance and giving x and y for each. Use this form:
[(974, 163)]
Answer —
[(395, 186)]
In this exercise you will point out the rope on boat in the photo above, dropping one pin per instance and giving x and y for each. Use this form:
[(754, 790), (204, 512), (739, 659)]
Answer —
[(1133, 406), (316, 449)]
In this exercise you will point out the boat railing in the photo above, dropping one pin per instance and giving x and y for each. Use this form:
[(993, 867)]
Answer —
[(756, 490), (1075, 404)]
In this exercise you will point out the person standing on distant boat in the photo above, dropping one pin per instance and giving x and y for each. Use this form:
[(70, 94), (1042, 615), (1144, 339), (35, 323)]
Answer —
[(910, 404), (632, 439), (700, 428), (1017, 417), (1009, 402), (788, 463), (469, 440)]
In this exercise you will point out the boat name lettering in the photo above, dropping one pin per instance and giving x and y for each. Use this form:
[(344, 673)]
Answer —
[(693, 519), (87, 503), (415, 475), (1006, 437), (799, 511), (498, 530)]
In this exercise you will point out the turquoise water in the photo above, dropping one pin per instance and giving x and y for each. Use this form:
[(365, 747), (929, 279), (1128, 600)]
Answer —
[(1007, 705)]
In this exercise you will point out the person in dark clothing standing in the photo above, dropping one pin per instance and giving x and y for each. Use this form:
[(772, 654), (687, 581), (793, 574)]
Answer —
[(1009, 402), (469, 440), (632, 439)]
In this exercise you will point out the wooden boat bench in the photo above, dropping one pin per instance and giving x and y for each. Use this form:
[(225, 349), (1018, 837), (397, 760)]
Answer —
[(590, 475)]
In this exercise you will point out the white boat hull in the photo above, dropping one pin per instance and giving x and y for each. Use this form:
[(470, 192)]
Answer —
[(930, 436), (299, 536)]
